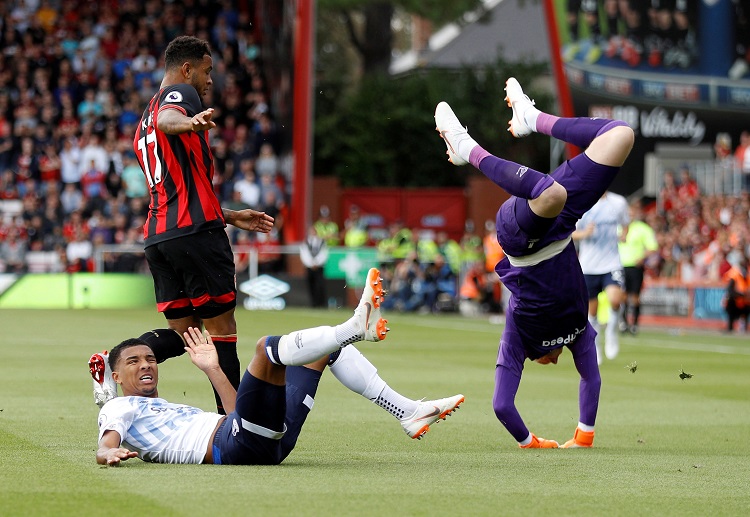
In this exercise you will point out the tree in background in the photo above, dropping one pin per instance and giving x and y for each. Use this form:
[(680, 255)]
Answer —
[(372, 129)]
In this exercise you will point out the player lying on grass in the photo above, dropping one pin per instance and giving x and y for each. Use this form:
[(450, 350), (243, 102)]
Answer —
[(265, 416), (549, 303)]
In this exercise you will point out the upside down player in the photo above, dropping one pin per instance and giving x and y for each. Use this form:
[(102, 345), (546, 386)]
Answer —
[(548, 304), (187, 248)]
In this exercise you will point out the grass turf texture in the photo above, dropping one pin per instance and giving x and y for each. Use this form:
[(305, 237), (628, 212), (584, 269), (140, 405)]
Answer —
[(664, 446)]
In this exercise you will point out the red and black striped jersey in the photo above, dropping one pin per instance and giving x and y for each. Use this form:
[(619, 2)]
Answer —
[(179, 170)]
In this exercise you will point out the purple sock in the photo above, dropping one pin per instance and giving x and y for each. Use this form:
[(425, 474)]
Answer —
[(581, 131), (517, 180)]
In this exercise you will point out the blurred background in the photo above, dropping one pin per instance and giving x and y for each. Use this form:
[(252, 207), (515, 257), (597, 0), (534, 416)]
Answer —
[(324, 113)]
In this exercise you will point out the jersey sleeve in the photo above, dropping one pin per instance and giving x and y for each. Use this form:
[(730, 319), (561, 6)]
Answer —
[(116, 415), (181, 97)]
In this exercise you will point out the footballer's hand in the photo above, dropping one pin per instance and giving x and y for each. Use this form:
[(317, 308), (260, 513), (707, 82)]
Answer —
[(581, 439), (202, 121), (540, 443), (249, 219), (201, 349), (116, 455)]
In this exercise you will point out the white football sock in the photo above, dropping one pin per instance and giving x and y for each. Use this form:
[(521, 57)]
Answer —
[(356, 372), (530, 116), (305, 346), (465, 146)]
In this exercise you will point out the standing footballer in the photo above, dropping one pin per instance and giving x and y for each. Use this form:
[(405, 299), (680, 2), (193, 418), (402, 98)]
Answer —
[(187, 248)]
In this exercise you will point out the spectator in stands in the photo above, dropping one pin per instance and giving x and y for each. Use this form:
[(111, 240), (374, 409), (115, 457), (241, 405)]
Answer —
[(355, 229), (93, 184), (688, 188), (267, 163), (440, 285), (668, 193), (326, 228), (133, 182), (79, 252), (313, 253), (247, 185), (493, 254), (449, 249), (473, 293), (742, 158), (26, 163), (70, 161), (737, 298), (724, 168), (405, 289), (8, 188), (13, 252), (71, 198)]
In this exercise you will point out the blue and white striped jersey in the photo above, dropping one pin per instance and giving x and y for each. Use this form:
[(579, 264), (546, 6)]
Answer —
[(159, 431)]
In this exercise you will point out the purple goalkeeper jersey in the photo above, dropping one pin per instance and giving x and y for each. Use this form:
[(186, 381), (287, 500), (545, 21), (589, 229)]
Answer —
[(549, 303)]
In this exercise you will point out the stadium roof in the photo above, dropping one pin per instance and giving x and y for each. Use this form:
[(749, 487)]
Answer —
[(512, 29)]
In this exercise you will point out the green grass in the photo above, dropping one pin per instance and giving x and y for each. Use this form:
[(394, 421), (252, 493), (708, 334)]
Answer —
[(664, 446)]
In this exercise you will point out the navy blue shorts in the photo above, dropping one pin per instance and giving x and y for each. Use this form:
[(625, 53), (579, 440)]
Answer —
[(264, 427), (596, 284)]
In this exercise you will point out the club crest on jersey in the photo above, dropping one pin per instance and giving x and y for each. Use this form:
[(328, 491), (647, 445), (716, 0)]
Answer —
[(173, 97)]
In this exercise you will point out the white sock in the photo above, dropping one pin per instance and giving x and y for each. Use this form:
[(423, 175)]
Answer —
[(349, 332), (526, 441), (612, 323), (530, 116), (465, 146), (305, 346), (356, 372), (396, 404), (584, 427)]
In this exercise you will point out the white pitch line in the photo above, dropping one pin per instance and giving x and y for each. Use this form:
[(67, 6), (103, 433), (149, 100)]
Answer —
[(696, 347)]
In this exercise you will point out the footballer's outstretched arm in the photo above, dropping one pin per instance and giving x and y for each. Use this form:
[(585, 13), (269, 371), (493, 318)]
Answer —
[(109, 452)]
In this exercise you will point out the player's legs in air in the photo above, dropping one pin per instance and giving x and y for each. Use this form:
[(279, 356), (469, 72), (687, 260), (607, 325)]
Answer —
[(547, 210)]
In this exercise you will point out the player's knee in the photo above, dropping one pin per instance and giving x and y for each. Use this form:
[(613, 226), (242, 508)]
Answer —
[(260, 346), (625, 136), (550, 202)]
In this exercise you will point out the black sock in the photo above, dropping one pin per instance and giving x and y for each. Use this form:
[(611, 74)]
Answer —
[(636, 314), (230, 365), (165, 343)]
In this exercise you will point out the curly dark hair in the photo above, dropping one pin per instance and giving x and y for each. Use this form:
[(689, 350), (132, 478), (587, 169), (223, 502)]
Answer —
[(116, 352), (185, 48)]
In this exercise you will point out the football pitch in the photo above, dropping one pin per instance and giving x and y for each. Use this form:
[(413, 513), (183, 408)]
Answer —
[(666, 443)]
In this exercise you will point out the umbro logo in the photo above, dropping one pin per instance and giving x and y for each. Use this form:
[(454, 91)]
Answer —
[(264, 292), (521, 171)]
